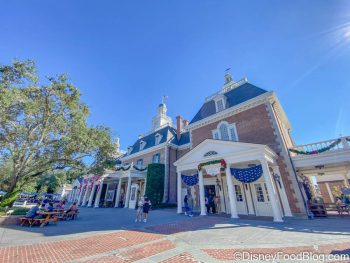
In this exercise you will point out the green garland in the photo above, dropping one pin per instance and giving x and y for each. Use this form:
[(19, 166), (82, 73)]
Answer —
[(222, 161), (128, 168), (139, 169), (332, 145), (122, 168)]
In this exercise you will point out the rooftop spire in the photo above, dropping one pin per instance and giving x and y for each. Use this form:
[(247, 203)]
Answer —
[(228, 76)]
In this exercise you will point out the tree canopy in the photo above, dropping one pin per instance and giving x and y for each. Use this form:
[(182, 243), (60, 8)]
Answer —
[(43, 127)]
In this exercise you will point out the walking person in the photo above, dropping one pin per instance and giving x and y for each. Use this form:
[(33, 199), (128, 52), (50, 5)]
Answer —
[(139, 210), (145, 208), (186, 204), (190, 203)]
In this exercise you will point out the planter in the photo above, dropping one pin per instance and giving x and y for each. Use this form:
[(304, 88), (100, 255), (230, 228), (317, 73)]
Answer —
[(9, 220)]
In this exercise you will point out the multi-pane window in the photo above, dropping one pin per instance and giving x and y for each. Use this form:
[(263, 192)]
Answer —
[(239, 196), (142, 145), (267, 193), (224, 132), (139, 163), (220, 105), (156, 158), (216, 136), (259, 193), (233, 134), (158, 138)]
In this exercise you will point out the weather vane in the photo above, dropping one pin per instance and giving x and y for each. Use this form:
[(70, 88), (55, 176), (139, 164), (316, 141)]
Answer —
[(164, 98)]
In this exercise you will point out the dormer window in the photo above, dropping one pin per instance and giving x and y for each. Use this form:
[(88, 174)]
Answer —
[(220, 103), (158, 138), (129, 150), (225, 132), (142, 145)]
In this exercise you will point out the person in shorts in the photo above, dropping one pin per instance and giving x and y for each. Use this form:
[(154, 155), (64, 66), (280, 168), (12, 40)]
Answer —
[(139, 210), (145, 208)]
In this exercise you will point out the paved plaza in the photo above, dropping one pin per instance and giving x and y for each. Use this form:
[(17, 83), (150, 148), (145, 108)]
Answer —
[(111, 235)]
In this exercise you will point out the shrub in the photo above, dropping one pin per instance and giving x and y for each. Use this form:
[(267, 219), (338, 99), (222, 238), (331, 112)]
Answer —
[(155, 183)]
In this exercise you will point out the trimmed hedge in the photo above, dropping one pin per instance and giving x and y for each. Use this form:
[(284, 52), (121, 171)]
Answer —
[(155, 183)]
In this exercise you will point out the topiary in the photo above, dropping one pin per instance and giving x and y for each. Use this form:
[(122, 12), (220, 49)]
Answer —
[(155, 183)]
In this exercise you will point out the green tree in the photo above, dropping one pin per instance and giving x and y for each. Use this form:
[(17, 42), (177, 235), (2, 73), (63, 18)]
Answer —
[(43, 127)]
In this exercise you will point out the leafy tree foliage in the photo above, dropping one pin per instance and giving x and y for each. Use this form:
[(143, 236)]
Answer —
[(43, 127)]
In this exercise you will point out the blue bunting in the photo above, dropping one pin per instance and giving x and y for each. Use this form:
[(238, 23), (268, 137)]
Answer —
[(190, 180), (247, 175)]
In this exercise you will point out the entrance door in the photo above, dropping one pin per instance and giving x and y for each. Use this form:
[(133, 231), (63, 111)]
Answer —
[(262, 200), (133, 196), (240, 199), (210, 193)]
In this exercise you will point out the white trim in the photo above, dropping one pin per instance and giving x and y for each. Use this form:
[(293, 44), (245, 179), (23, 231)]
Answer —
[(151, 149)]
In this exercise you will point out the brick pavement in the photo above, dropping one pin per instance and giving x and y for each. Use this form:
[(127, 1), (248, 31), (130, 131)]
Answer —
[(195, 224), (68, 250), (168, 242)]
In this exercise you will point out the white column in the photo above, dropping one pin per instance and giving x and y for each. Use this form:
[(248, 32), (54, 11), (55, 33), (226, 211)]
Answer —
[(145, 185), (98, 195), (128, 192), (179, 191), (119, 188), (80, 195), (83, 203), (201, 193), (166, 175), (106, 192), (277, 215), (282, 191), (231, 193), (91, 195)]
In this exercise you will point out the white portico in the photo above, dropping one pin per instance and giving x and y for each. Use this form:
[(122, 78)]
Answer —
[(131, 183), (214, 161)]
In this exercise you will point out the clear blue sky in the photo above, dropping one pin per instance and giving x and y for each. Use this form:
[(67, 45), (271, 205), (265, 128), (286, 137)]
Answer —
[(124, 55)]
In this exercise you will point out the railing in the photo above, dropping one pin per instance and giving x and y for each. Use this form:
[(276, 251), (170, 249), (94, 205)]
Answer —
[(227, 88), (341, 143)]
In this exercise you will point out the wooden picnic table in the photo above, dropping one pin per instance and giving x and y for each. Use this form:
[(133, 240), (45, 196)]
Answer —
[(48, 217)]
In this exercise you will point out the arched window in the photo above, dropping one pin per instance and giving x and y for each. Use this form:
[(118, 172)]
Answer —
[(224, 132)]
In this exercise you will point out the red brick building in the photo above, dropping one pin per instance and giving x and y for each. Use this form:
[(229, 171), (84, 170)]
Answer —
[(233, 154)]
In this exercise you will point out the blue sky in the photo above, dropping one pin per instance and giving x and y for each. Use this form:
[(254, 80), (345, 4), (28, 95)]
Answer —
[(124, 55)]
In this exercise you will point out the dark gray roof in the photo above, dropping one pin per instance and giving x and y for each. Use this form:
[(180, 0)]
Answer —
[(184, 139), (167, 133), (234, 97)]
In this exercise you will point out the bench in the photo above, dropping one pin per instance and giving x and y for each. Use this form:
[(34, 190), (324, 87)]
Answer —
[(72, 214), (24, 220)]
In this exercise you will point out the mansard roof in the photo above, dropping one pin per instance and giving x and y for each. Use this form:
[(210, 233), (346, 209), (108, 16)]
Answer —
[(166, 134), (234, 97), (184, 139)]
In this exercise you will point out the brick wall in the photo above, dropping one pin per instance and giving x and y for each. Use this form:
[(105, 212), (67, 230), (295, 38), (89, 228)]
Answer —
[(324, 192), (174, 155)]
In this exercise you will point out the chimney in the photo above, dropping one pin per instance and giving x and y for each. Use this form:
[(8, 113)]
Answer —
[(178, 127), (185, 122)]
